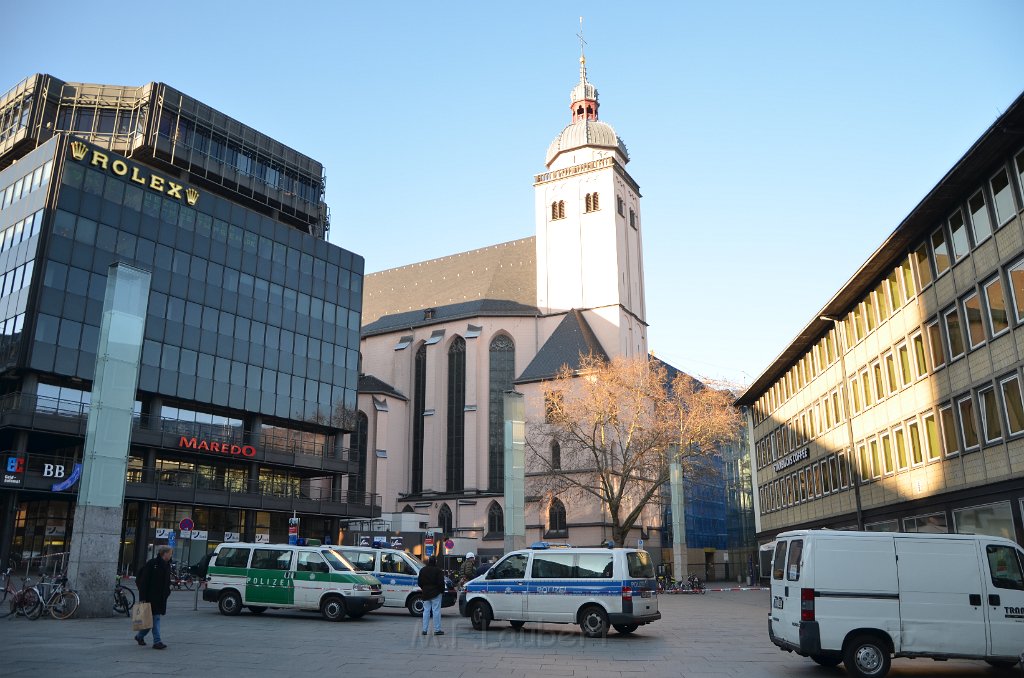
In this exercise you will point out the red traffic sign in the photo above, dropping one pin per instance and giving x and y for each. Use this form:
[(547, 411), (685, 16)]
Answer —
[(449, 544), (428, 541), (186, 525)]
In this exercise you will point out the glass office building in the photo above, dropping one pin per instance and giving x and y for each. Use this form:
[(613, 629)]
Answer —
[(247, 384)]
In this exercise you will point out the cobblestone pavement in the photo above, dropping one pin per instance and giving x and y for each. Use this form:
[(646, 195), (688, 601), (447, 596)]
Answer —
[(715, 635)]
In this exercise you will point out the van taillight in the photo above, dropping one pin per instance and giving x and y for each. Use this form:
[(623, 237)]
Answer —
[(806, 604), (627, 593)]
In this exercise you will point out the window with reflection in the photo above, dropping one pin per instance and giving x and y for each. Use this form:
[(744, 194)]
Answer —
[(501, 372), (958, 230), (456, 416)]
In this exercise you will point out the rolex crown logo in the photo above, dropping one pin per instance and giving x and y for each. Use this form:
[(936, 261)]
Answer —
[(78, 150), (192, 195)]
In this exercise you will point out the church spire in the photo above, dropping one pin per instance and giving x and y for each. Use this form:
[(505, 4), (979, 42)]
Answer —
[(583, 100)]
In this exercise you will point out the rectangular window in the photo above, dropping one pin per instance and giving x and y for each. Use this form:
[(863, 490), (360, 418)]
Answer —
[(796, 548), (876, 460), (914, 436), (863, 462), (895, 291), (905, 372), (940, 251), (826, 477), (937, 351), (879, 380), (920, 355), (949, 439), (990, 416), (924, 266), (968, 427), (870, 317), (884, 301), (1016, 275), (837, 414), (931, 436), (1002, 197), (890, 370), (887, 462), (1013, 405), (901, 448), (953, 333), (844, 471), (855, 390), (908, 278), (979, 217), (957, 227), (997, 318), (817, 480), (865, 385), (975, 325)]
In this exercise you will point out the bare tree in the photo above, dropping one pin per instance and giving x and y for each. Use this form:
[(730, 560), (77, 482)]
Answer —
[(617, 424)]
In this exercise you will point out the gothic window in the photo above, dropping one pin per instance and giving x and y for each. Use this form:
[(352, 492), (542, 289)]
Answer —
[(358, 482), (408, 509), (502, 372), (632, 218), (444, 520), (621, 206), (589, 206), (495, 520), (456, 446), (554, 211), (556, 455), (561, 209), (419, 396), (556, 519), (594, 205)]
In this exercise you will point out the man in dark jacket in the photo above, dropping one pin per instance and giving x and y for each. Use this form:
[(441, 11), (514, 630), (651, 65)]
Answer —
[(154, 583), (431, 583)]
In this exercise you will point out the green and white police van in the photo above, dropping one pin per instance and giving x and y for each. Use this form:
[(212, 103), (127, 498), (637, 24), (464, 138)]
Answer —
[(262, 576)]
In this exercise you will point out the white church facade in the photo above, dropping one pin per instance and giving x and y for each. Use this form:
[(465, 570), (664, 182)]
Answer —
[(442, 340)]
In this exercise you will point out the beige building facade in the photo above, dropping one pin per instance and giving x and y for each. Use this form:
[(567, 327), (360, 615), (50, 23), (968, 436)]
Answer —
[(899, 405)]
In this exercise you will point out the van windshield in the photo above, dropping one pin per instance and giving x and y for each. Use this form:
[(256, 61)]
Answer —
[(338, 561), (640, 566)]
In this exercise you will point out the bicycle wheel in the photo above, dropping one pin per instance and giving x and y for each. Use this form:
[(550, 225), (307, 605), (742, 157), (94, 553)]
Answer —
[(124, 600), (188, 582), (30, 604), (65, 606)]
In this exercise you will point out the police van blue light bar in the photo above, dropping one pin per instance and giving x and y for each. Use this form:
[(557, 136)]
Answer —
[(540, 545)]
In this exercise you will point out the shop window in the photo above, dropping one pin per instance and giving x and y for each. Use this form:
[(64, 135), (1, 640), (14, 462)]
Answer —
[(931, 523), (995, 520)]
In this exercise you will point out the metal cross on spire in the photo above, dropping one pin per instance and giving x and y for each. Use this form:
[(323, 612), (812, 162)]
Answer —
[(583, 58)]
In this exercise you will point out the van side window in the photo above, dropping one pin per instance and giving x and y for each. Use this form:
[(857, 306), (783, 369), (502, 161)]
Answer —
[(1005, 567), (796, 549), (310, 561), (232, 557), (553, 566), (594, 566), (513, 567), (391, 563), (361, 560), (640, 565), (779, 562), (272, 559)]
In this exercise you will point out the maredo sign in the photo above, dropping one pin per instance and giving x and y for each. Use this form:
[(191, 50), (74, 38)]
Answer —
[(216, 447)]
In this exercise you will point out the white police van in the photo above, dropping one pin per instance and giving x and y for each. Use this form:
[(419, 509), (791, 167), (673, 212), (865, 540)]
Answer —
[(261, 576), (397, 572), (593, 587)]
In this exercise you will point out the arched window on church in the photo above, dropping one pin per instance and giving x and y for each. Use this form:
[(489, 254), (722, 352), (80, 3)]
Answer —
[(561, 209), (621, 206), (579, 111), (456, 444), (556, 455), (554, 211), (501, 373), (419, 398), (588, 204), (557, 526), (594, 205), (495, 520), (444, 520)]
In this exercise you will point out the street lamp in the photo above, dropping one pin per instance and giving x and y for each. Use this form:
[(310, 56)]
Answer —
[(844, 389)]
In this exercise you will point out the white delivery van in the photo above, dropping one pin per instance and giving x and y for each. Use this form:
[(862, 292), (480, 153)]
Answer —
[(398, 573), (862, 598), (261, 576), (593, 587)]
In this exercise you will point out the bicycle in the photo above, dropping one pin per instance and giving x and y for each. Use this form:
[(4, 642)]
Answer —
[(19, 602), (181, 577), (696, 584), (124, 598), (61, 603)]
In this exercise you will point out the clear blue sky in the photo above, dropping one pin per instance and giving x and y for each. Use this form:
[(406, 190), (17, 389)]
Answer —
[(776, 143)]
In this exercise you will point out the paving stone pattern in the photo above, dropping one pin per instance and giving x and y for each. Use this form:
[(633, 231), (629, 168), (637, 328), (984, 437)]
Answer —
[(711, 636)]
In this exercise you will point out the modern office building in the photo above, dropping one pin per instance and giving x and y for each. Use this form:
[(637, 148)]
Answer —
[(899, 405), (247, 386)]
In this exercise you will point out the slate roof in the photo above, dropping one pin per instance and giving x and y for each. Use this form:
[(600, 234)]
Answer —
[(500, 279), (440, 314), (371, 384), (572, 337)]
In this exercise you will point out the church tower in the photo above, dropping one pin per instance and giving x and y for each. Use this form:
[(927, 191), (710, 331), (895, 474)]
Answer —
[(589, 244)]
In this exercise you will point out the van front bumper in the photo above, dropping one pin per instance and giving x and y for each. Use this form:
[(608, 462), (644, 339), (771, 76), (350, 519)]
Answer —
[(618, 618), (363, 604), (809, 635), (211, 595)]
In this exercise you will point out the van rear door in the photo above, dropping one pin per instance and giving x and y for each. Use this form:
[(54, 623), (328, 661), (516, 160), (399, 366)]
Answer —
[(1004, 571), (940, 595), (785, 613)]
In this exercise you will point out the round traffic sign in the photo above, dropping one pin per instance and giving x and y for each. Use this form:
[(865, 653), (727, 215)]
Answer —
[(449, 544), (186, 525)]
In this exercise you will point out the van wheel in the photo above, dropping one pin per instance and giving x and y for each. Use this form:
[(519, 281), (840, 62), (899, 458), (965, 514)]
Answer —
[(257, 609), (1001, 663), (867, 656), (480, 616), (229, 603), (333, 608), (626, 629), (415, 605), (517, 624), (593, 622), (826, 660)]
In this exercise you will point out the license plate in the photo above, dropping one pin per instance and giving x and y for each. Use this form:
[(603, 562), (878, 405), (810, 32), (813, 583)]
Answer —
[(645, 594), (778, 602)]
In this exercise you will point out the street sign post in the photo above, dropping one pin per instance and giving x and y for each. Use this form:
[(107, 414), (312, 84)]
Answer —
[(186, 525)]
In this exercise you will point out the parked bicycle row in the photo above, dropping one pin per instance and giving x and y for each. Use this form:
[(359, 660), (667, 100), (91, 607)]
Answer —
[(51, 595)]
